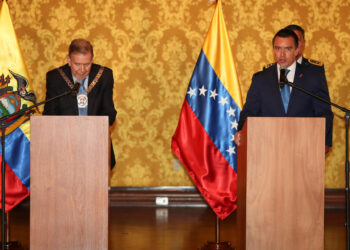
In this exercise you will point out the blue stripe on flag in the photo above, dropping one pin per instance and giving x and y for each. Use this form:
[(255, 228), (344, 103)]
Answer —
[(17, 155), (219, 115)]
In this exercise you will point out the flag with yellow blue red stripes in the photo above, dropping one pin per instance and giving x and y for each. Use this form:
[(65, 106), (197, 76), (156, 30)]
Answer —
[(204, 138), (15, 94)]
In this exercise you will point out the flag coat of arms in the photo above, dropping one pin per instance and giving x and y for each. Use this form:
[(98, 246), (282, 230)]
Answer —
[(15, 94), (204, 138)]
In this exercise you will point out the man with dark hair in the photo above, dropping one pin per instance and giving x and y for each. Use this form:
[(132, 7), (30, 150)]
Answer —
[(265, 98), (285, 33), (95, 95)]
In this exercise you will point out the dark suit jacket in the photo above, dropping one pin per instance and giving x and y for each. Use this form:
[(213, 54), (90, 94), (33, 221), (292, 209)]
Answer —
[(317, 66), (100, 102), (264, 97)]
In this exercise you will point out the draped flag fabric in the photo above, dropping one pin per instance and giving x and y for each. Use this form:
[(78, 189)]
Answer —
[(15, 94), (204, 138)]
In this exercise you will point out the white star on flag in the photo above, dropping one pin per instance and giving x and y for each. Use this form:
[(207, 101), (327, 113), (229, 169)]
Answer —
[(231, 150), (213, 94), (232, 137), (234, 124), (231, 112), (192, 92), (202, 90), (223, 101)]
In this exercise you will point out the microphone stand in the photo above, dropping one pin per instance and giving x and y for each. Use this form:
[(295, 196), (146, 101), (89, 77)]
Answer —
[(3, 127), (347, 118)]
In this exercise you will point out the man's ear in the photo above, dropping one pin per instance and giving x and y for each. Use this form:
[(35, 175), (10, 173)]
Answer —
[(68, 60), (296, 52)]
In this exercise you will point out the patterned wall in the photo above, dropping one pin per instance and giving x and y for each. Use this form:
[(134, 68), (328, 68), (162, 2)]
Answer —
[(152, 47)]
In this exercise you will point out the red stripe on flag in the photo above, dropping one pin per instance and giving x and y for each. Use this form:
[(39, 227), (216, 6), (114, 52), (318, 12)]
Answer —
[(214, 177), (14, 188)]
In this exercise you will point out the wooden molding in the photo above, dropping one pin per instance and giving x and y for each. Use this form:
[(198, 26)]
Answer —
[(190, 196), (148, 196), (186, 197), (335, 199)]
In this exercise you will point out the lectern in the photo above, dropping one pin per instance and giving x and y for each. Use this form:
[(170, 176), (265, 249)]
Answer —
[(281, 184), (69, 182)]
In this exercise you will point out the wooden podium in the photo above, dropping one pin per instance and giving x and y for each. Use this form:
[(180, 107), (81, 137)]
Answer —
[(281, 184), (69, 161)]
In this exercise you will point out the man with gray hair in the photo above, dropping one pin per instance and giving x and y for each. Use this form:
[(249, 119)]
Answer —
[(95, 95)]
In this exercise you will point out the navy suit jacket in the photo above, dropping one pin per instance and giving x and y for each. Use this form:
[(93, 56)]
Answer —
[(100, 98), (264, 97)]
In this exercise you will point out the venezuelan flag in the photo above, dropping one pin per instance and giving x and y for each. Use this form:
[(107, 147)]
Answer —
[(204, 138), (15, 94)]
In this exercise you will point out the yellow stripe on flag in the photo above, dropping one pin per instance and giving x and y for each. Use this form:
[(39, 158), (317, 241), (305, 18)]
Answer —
[(222, 62), (11, 56)]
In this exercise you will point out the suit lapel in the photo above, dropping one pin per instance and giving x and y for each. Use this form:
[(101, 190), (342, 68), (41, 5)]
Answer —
[(93, 73), (68, 72), (276, 89), (66, 69), (297, 81)]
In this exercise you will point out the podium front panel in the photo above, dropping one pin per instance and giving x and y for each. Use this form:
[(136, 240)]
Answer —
[(69, 182), (281, 183)]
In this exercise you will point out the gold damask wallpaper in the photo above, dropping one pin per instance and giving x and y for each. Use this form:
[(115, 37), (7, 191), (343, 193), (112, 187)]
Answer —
[(152, 47)]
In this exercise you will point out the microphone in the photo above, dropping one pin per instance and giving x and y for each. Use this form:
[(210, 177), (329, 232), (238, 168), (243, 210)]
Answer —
[(283, 77), (75, 89)]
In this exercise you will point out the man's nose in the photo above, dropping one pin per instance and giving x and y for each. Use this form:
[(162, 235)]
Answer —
[(283, 52)]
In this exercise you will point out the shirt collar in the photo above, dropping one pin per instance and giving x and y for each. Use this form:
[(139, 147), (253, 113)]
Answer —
[(300, 60), (85, 80), (291, 68)]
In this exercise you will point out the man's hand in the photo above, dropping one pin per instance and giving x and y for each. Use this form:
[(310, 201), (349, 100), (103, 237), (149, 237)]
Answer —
[(238, 138)]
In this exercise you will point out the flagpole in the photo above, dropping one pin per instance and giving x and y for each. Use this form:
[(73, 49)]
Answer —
[(217, 245), (217, 229), (214, 76), (3, 222)]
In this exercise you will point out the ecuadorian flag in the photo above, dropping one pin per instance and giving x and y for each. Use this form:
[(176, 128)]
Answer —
[(204, 138), (15, 94)]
